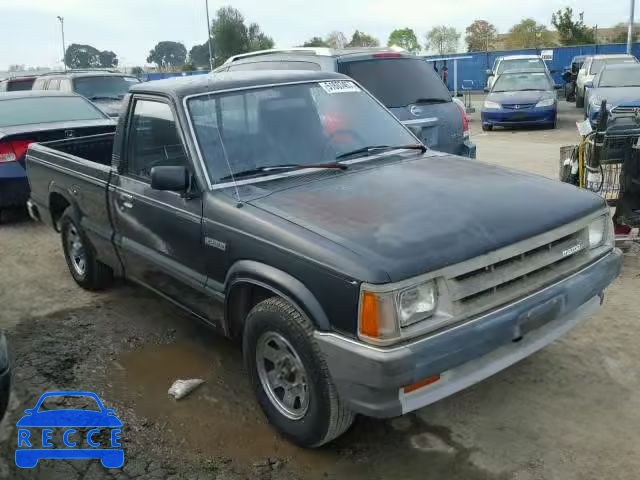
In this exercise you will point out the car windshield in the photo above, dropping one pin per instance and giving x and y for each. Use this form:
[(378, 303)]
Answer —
[(620, 77), (30, 110), (103, 87), (598, 63), (520, 64), (398, 82), (305, 124), (509, 82)]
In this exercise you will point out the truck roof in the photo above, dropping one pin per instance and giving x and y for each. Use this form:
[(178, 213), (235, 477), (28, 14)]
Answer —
[(181, 87)]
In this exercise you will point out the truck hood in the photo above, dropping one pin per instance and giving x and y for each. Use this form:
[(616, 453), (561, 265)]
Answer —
[(421, 214)]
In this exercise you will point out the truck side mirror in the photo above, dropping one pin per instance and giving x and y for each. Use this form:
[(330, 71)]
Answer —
[(170, 178)]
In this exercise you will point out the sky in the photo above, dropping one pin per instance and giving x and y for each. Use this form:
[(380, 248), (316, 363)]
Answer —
[(132, 27)]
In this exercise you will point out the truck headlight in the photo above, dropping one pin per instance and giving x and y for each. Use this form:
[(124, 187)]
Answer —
[(416, 303), (488, 104), (383, 314), (547, 102), (600, 231)]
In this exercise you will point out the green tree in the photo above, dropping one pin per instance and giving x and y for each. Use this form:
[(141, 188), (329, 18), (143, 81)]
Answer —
[(404, 38), (570, 31), (167, 54), (361, 39), (481, 36), (199, 55), (315, 42), (108, 59), (257, 39), (529, 34), (188, 67), (231, 36), (137, 71), (336, 40), (442, 39), (620, 33), (82, 56)]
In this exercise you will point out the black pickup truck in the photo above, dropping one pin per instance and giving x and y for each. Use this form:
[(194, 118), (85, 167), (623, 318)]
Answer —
[(362, 272)]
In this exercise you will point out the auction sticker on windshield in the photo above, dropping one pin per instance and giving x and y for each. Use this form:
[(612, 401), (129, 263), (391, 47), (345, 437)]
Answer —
[(339, 86)]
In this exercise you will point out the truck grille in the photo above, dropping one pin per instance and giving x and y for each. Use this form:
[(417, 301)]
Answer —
[(516, 276)]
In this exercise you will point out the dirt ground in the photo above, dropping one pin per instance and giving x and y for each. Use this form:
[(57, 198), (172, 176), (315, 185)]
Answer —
[(569, 412)]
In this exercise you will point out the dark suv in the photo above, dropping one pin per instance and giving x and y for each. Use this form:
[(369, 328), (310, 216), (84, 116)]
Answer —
[(404, 83), (105, 89)]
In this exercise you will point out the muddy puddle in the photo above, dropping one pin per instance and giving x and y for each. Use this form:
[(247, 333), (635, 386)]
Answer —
[(221, 420)]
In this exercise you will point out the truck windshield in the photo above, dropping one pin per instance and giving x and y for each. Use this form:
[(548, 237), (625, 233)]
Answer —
[(100, 87), (305, 124), (30, 110)]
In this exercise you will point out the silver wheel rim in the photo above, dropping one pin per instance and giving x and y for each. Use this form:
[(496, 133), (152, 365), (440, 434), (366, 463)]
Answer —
[(77, 253), (282, 375)]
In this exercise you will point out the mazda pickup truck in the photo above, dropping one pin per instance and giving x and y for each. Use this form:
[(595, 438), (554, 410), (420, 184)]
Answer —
[(361, 272)]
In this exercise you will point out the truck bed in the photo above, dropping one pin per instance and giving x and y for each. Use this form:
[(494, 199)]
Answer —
[(95, 148)]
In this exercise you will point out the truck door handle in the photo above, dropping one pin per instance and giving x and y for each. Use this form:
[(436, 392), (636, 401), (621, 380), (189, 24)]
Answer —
[(127, 200)]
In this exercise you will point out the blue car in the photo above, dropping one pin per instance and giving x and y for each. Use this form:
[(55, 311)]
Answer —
[(619, 85), (32, 446), (38, 116), (520, 98)]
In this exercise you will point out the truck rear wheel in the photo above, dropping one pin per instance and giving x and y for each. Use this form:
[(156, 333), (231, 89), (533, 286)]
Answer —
[(85, 269), (289, 375)]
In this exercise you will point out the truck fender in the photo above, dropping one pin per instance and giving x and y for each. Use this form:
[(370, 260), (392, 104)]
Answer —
[(55, 189), (278, 282)]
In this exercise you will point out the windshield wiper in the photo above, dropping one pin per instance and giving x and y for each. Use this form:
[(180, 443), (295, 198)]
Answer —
[(377, 148), (105, 97), (430, 100), (280, 168)]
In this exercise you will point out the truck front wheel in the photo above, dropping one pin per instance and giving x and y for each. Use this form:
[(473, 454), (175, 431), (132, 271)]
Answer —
[(85, 269), (289, 375)]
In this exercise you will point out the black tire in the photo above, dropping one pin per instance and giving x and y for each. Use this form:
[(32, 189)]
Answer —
[(326, 416), (95, 275), (487, 128), (579, 100)]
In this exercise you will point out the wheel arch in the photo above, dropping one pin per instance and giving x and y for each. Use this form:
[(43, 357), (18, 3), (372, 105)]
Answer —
[(249, 282)]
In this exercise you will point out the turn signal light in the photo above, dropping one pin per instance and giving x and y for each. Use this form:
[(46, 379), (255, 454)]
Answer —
[(369, 316), (421, 383)]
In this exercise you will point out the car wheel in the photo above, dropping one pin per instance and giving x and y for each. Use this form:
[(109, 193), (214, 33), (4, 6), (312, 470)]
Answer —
[(579, 100), (487, 128), (85, 269), (289, 375)]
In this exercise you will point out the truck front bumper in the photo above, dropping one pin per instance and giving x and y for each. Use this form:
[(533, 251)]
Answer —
[(372, 379)]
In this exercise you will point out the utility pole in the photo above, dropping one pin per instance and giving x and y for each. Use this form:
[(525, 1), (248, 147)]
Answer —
[(209, 36), (64, 50), (630, 28)]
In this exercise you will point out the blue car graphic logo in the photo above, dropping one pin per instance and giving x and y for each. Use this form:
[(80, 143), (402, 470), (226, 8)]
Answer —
[(31, 447)]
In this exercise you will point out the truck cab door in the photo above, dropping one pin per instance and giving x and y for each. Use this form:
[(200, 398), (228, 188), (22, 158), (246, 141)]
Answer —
[(158, 233)]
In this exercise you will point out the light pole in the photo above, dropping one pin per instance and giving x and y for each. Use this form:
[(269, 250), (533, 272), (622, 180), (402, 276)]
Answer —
[(209, 36), (630, 28), (64, 50)]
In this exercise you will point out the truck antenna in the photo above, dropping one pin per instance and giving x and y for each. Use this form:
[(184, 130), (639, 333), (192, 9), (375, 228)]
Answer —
[(226, 159)]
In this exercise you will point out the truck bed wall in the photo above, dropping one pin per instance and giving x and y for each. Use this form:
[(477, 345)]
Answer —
[(83, 183)]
